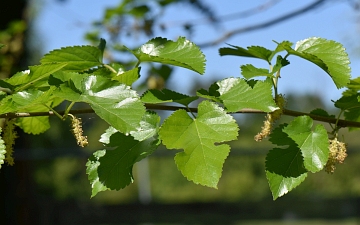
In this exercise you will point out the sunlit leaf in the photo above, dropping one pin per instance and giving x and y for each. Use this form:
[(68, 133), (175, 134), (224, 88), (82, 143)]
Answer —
[(328, 55), (236, 94), (203, 156), (181, 53), (77, 58), (314, 144), (280, 185), (249, 71), (114, 102)]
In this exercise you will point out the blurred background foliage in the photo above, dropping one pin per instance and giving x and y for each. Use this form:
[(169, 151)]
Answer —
[(51, 168)]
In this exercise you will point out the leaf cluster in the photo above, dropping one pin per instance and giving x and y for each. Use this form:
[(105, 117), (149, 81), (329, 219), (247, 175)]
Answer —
[(78, 74)]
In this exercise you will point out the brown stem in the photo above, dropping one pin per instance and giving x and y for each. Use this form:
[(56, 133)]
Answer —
[(287, 112)]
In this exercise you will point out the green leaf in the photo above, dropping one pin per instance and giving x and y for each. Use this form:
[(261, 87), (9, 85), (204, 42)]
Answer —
[(128, 77), (115, 103), (77, 58), (115, 169), (202, 159), (165, 95), (101, 47), (1, 46), (2, 149), (34, 125), (249, 71), (350, 105), (287, 162), (252, 51), (7, 85), (91, 170), (181, 53), (314, 145), (321, 112), (348, 102), (353, 87), (280, 63), (212, 94), (148, 128), (280, 47), (32, 97), (7, 105), (328, 55), (280, 185), (236, 94)]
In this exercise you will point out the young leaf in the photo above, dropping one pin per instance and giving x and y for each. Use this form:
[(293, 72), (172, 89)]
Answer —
[(280, 185), (236, 94), (328, 55), (202, 160), (181, 53), (212, 94), (252, 51), (128, 77), (91, 170), (280, 47), (165, 95), (115, 168), (280, 63), (77, 58), (314, 145), (115, 103), (249, 71)]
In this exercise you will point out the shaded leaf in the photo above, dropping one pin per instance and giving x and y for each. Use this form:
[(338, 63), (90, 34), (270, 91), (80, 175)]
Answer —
[(115, 169), (252, 51), (165, 95), (314, 145)]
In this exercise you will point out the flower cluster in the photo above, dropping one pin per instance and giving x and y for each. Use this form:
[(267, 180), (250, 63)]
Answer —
[(2, 150), (76, 128), (271, 118), (337, 154), (9, 136)]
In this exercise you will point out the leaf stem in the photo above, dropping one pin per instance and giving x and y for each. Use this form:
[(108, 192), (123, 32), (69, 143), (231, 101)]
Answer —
[(340, 123), (110, 68), (53, 111), (68, 110)]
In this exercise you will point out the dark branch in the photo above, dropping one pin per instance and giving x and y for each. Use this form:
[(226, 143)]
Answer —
[(340, 123), (272, 22)]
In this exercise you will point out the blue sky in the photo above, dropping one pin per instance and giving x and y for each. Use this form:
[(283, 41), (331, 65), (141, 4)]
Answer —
[(64, 24)]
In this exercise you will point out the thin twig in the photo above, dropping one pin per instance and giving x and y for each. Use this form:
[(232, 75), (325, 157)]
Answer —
[(269, 23)]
